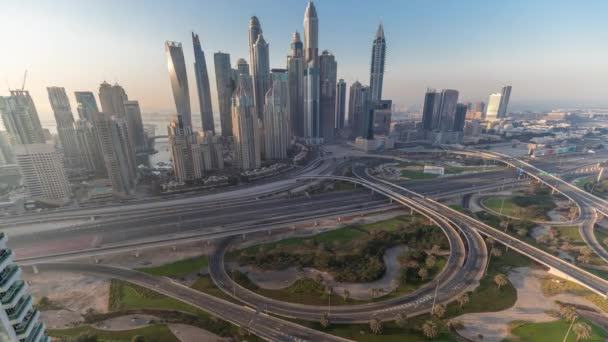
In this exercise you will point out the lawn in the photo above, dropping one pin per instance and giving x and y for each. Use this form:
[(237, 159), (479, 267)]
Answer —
[(153, 333), (496, 203), (179, 268), (416, 175), (555, 331), (528, 206), (571, 233), (390, 332), (460, 169)]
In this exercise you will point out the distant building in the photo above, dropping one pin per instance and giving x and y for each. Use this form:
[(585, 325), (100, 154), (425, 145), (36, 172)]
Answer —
[(328, 68), (89, 150), (135, 126), (112, 99), (43, 172), (383, 110), (212, 150), (202, 85), (261, 73), (225, 85), (460, 117), (360, 111), (19, 318), (245, 125), (179, 82), (340, 104), (20, 118), (87, 105), (242, 68), (442, 117), (493, 107), (377, 65), (186, 152), (255, 29), (65, 125), (295, 72), (312, 115), (504, 101), (276, 116)]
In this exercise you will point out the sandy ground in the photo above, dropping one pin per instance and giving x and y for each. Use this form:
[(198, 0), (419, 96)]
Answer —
[(531, 306), (188, 333), (284, 278), (74, 293)]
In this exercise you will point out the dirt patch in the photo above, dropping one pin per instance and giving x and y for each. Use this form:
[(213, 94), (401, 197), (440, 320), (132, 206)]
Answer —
[(188, 333)]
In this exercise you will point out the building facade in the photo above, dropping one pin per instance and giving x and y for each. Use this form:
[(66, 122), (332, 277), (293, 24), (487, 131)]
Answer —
[(276, 116), (225, 85), (245, 125), (329, 76), (295, 72), (340, 104), (112, 99), (202, 85), (179, 82), (312, 112), (376, 78), (493, 107), (20, 118), (86, 105), (135, 126), (261, 73), (186, 152), (65, 126)]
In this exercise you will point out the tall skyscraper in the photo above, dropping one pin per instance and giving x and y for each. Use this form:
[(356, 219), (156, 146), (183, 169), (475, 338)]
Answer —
[(377, 66), (353, 100), (135, 126), (430, 110), (276, 116), (245, 125), (340, 104), (261, 73), (225, 85), (212, 150), (329, 74), (115, 145), (112, 98), (295, 72), (65, 125), (179, 82), (242, 68), (43, 172), (383, 112), (20, 118), (87, 105), (6, 150), (447, 110), (493, 106), (255, 29), (202, 85), (88, 148), (187, 157), (19, 318), (312, 117), (504, 101), (460, 117)]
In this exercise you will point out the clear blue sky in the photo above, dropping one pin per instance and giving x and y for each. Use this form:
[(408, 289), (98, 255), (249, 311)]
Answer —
[(553, 52)]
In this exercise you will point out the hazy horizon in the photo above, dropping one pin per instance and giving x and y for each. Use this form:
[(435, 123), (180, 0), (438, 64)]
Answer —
[(549, 51)]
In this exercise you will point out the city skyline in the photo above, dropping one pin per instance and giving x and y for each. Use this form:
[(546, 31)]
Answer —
[(478, 62)]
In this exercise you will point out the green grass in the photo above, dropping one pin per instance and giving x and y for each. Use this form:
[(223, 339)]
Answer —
[(571, 233), (153, 333), (390, 332), (125, 296), (179, 268), (554, 331), (206, 285), (460, 169), (495, 204), (416, 175), (601, 235)]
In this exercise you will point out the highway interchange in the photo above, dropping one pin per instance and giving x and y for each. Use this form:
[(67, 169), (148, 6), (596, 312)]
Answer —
[(222, 216)]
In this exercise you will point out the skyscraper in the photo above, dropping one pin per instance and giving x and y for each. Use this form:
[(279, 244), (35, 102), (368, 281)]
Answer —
[(255, 29), (115, 145), (295, 73), (187, 157), (112, 98), (202, 85), (461, 113), (377, 66), (65, 125), (261, 73), (329, 74), (504, 101), (312, 117), (179, 82), (19, 318), (353, 100), (430, 110), (87, 105), (340, 103), (135, 126), (43, 172), (361, 112), (225, 85), (88, 148), (242, 68), (493, 106), (383, 112), (245, 125), (447, 110), (276, 116), (20, 118)]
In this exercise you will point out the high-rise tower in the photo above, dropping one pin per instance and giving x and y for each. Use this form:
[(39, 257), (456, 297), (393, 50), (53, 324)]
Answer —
[(225, 85), (276, 116), (202, 85), (112, 99), (504, 101), (328, 68), (261, 73), (312, 117), (377, 65), (20, 118), (340, 104), (245, 125), (179, 82), (87, 105), (65, 125), (295, 74), (255, 29)]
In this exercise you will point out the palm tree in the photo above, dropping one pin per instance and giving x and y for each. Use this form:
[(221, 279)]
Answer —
[(568, 312), (500, 280), (423, 273), (438, 311), (429, 329), (375, 325), (463, 299), (401, 319), (324, 320), (346, 295), (582, 330)]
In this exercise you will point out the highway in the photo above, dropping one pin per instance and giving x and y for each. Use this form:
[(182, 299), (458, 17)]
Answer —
[(265, 326)]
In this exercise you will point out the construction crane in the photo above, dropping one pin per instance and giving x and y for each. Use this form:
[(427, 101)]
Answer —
[(24, 78)]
